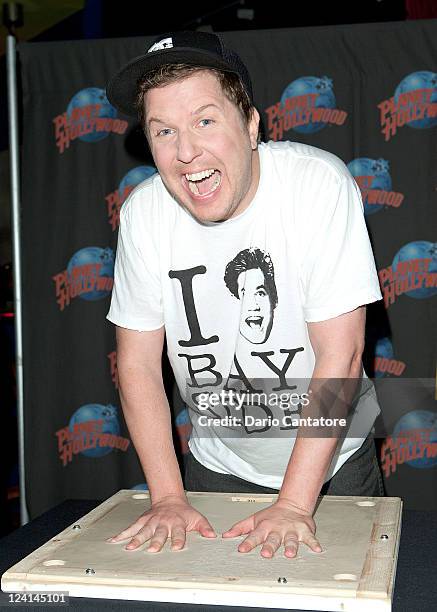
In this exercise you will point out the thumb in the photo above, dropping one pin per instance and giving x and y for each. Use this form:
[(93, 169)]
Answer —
[(205, 529), (240, 528)]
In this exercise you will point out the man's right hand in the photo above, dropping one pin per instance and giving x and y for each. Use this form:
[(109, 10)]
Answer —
[(171, 516)]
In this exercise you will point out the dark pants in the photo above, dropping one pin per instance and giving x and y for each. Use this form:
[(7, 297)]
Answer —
[(360, 475)]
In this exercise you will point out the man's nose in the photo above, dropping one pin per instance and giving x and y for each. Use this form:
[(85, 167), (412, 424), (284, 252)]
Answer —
[(252, 302), (188, 148)]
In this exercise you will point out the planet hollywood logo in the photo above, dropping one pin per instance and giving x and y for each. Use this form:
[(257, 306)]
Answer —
[(414, 104), (374, 180), (413, 273), (113, 367), (89, 117), (385, 363), (93, 431), (130, 180), (89, 276), (307, 106), (413, 442)]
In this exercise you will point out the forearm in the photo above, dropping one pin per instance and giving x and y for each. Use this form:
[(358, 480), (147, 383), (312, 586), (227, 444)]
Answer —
[(147, 416), (311, 457)]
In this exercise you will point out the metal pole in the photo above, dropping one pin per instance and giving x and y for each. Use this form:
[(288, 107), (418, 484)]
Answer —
[(14, 149)]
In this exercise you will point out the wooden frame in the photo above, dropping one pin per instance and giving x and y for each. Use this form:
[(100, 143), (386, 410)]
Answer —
[(355, 572)]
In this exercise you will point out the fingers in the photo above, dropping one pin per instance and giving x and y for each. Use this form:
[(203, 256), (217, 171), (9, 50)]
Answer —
[(291, 545), (271, 541), (159, 539), (252, 540), (239, 528), (128, 532), (311, 541), (140, 537), (271, 544), (158, 533), (178, 537)]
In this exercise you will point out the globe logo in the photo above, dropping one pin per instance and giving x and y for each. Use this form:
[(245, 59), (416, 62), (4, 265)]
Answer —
[(95, 412), (383, 350), (423, 79), (421, 249), (133, 178), (410, 427), (140, 487), (79, 274), (90, 97), (371, 174), (322, 88)]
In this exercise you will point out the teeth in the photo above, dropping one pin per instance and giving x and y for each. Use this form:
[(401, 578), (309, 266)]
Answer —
[(194, 188), (198, 176)]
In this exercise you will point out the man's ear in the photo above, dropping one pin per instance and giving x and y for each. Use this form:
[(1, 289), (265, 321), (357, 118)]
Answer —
[(254, 128)]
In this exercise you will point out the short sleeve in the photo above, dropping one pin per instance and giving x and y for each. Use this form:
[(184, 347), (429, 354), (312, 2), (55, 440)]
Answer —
[(338, 272), (136, 301)]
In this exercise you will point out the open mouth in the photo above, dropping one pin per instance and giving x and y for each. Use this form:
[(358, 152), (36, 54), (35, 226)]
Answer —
[(205, 182), (254, 322)]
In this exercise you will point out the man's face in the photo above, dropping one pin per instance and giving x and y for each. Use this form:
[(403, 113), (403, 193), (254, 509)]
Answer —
[(256, 308), (203, 149)]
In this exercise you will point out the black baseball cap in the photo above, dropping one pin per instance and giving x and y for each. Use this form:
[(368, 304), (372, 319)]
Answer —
[(192, 48)]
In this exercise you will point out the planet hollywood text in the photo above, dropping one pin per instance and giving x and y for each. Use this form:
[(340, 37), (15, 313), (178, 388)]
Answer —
[(81, 280), (83, 121), (85, 436), (299, 111), (411, 106)]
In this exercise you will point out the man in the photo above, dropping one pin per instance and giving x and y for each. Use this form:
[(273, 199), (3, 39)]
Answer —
[(250, 278), (220, 192)]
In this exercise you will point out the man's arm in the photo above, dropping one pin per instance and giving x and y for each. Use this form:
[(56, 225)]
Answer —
[(146, 409), (147, 415), (338, 345)]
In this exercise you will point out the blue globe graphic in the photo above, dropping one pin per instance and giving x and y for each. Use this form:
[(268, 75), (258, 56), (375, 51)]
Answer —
[(415, 420), (87, 97), (423, 79), (133, 178), (140, 487), (383, 349), (182, 418), (94, 255), (94, 412), (381, 179), (421, 249), (322, 86)]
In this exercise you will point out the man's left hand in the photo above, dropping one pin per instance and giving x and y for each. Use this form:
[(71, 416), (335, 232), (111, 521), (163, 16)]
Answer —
[(282, 524)]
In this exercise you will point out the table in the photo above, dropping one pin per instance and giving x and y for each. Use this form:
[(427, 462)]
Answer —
[(415, 588)]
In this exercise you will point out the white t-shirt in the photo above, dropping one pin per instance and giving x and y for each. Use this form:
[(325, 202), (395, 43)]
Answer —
[(235, 298)]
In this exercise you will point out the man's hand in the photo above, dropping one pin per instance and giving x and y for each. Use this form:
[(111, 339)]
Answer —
[(172, 517), (280, 524)]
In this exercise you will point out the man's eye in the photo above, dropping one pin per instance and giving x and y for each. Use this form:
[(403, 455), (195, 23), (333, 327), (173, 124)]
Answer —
[(205, 122), (164, 132), (261, 292)]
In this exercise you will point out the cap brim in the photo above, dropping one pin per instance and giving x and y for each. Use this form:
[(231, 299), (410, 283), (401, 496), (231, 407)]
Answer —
[(122, 88)]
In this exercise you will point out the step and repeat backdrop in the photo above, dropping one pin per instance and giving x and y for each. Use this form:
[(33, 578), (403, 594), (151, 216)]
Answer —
[(367, 93)]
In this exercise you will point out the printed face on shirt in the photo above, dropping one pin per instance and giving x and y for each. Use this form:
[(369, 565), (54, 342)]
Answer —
[(203, 149), (256, 307)]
